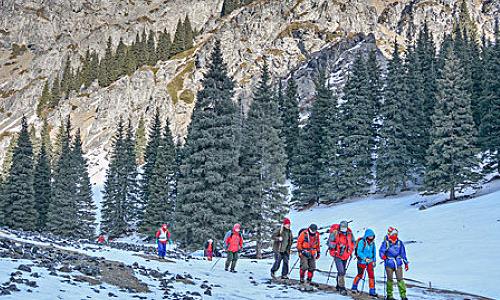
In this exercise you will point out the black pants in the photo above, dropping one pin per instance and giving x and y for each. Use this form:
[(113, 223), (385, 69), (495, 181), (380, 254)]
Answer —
[(278, 257)]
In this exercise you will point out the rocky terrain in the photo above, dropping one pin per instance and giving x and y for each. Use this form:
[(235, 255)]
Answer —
[(36, 36)]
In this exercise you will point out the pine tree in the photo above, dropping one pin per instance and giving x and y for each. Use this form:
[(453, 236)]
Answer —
[(317, 168), (55, 92), (18, 201), (42, 186), (393, 156), (151, 154), (35, 142), (44, 100), (45, 137), (290, 118), (141, 53), (62, 208), (188, 33), (151, 49), (356, 134), (208, 189), (119, 61), (9, 152), (85, 72), (106, 72), (164, 45), (263, 164), (94, 67), (160, 207), (115, 208), (178, 45), (133, 207), (86, 222), (451, 156), (489, 105), (140, 141), (67, 78), (374, 89)]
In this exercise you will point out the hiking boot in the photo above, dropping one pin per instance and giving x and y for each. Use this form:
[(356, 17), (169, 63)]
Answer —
[(337, 288), (226, 269), (302, 280), (273, 275), (354, 291), (389, 298), (343, 291), (404, 298), (234, 271), (285, 277)]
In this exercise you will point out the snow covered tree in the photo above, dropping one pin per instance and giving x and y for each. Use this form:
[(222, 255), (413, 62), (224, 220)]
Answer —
[(356, 133), (393, 155), (208, 191), (86, 220), (316, 172), (18, 201), (42, 186), (451, 157), (160, 206), (263, 164)]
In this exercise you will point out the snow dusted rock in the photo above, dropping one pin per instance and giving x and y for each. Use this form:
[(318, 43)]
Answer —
[(24, 268)]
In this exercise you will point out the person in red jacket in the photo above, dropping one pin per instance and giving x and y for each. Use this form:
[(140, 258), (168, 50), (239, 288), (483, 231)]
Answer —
[(341, 246), (209, 249), (162, 237), (233, 243), (308, 247)]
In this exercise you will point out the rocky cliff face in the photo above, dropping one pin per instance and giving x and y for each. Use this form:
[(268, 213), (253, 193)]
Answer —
[(292, 34)]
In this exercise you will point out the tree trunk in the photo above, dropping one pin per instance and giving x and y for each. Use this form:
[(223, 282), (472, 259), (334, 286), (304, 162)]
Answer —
[(258, 249), (452, 193)]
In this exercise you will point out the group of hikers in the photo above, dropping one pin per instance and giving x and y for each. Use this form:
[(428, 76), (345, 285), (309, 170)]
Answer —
[(342, 246)]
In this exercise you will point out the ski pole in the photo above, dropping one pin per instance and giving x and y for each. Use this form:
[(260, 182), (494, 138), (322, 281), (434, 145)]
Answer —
[(330, 272), (293, 267), (213, 266)]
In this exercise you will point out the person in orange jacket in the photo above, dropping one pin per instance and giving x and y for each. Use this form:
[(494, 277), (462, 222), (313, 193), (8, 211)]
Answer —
[(341, 246), (308, 246), (209, 249), (233, 241)]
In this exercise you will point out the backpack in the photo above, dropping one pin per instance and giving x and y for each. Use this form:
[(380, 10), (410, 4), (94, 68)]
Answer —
[(356, 246), (226, 236)]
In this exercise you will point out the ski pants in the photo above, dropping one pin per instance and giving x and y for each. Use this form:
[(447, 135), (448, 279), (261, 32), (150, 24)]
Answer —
[(278, 257), (341, 265), (232, 257), (162, 249), (361, 272), (307, 264), (390, 280)]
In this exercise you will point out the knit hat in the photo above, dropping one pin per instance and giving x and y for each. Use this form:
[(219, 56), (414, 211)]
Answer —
[(313, 227), (236, 227), (343, 226), (286, 221)]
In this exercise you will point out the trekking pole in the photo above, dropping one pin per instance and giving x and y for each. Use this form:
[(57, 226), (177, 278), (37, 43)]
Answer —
[(293, 267), (213, 266), (330, 272), (384, 284), (364, 279)]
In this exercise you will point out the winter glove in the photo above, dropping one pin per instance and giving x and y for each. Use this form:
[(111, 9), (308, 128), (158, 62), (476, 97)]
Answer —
[(384, 257), (280, 238), (406, 267), (170, 242), (367, 260), (306, 253), (156, 241), (318, 255)]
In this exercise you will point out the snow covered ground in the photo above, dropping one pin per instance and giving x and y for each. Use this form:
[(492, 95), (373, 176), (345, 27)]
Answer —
[(453, 246)]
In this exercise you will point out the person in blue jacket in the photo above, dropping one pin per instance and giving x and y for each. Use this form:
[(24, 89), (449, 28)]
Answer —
[(393, 252), (366, 255)]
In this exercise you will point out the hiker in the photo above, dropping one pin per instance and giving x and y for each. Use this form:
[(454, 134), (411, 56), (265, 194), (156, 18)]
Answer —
[(308, 246), (282, 246), (233, 243), (393, 252), (209, 249), (101, 239), (366, 254), (162, 237), (341, 247)]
